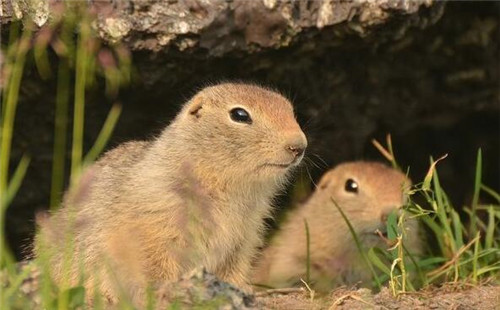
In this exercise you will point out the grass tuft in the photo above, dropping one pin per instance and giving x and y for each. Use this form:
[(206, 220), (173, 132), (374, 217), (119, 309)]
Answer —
[(467, 248)]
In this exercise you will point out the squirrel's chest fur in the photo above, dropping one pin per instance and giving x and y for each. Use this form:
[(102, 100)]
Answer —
[(234, 230), (161, 216)]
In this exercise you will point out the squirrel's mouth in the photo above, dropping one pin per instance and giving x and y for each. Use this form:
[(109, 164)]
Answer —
[(380, 232), (294, 162), (284, 166)]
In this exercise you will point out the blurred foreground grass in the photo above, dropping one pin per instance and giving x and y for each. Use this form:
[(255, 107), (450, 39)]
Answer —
[(67, 47)]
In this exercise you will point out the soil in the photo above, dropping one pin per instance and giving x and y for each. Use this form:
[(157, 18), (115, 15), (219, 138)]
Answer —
[(202, 290), (445, 297)]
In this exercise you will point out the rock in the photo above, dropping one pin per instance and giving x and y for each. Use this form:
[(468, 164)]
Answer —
[(219, 27), (202, 289)]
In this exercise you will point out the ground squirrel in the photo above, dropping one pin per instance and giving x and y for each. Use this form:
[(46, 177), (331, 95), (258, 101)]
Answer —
[(367, 192), (197, 195)]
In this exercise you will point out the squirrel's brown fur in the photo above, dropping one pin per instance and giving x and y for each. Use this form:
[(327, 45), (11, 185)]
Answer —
[(334, 257), (194, 196)]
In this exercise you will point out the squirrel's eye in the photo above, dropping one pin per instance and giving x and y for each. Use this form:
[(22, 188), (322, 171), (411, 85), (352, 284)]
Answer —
[(351, 186), (240, 115)]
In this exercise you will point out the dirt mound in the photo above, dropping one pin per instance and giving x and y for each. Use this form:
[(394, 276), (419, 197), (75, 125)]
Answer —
[(446, 297), (200, 289)]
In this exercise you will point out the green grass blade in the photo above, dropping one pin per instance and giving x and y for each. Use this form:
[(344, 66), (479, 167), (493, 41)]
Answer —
[(41, 58), (104, 135), (495, 268), (475, 197), (491, 192), (442, 209), (415, 264), (16, 180), (82, 59), (392, 226), (358, 243), (436, 230), (431, 262), (392, 231), (60, 129), (377, 262), (490, 230), (475, 258), (457, 228)]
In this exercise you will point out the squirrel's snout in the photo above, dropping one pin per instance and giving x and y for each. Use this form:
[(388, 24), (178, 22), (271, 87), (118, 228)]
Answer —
[(296, 145), (385, 215)]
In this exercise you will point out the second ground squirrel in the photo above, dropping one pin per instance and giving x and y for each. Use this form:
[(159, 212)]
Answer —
[(366, 192)]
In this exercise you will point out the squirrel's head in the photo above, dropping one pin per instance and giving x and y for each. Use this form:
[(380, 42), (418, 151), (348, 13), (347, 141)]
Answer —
[(243, 129), (367, 192)]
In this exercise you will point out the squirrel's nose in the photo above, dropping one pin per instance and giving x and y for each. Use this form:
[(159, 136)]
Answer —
[(297, 145), (297, 151), (385, 215)]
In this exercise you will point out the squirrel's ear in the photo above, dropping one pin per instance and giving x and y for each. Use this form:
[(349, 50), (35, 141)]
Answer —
[(325, 180), (195, 107)]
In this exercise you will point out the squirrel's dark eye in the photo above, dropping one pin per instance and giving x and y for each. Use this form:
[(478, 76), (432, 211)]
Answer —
[(240, 115), (351, 186)]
